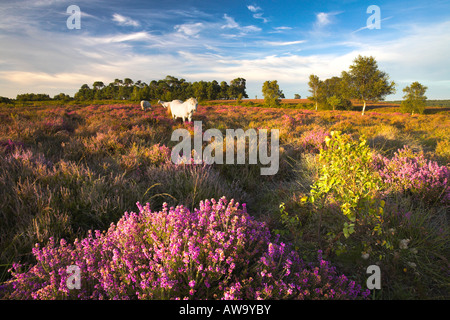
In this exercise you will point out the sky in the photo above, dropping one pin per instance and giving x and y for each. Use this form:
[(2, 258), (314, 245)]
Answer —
[(283, 40)]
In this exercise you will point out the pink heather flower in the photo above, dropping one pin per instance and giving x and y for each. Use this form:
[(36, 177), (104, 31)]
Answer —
[(314, 140), (139, 258), (411, 172)]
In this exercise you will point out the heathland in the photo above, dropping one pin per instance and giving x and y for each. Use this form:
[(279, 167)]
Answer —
[(351, 191)]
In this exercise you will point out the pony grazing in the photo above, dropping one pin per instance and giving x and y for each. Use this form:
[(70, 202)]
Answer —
[(183, 110), (145, 105)]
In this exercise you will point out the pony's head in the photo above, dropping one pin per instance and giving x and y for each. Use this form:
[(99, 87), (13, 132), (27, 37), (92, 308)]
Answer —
[(193, 103)]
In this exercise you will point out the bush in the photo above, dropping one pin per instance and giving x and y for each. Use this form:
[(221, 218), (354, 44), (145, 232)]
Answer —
[(215, 252), (347, 179)]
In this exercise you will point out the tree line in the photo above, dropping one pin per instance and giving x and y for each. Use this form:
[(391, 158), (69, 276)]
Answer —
[(166, 89), (363, 82)]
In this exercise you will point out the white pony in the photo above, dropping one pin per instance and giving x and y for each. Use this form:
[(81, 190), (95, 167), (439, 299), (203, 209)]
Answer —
[(166, 105), (145, 105), (183, 110)]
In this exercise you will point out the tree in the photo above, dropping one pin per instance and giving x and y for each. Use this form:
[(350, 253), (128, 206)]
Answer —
[(237, 86), (213, 90), (334, 101), (272, 93), (224, 90), (414, 98), (297, 96), (62, 96), (127, 82), (98, 85), (365, 82), (200, 90), (136, 94), (314, 85), (118, 82), (33, 97), (85, 93), (5, 100), (332, 94)]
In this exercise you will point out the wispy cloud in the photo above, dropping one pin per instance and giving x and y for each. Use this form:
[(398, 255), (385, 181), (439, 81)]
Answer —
[(325, 18), (283, 43), (253, 8), (135, 36), (124, 21), (257, 14), (190, 29), (232, 24), (280, 29)]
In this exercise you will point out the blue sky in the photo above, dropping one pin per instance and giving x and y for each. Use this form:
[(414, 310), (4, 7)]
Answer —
[(282, 40)]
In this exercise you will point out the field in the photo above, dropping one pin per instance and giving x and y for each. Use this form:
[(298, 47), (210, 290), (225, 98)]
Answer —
[(351, 191)]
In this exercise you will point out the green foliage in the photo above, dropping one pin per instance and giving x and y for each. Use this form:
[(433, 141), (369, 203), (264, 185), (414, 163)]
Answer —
[(414, 98), (364, 81), (292, 226), (5, 100), (314, 85), (347, 179), (334, 101), (272, 93), (32, 97), (329, 94)]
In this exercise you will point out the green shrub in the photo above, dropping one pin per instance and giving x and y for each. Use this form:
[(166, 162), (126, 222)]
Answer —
[(347, 180)]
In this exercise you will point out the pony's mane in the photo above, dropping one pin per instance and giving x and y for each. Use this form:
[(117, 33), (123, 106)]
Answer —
[(192, 100)]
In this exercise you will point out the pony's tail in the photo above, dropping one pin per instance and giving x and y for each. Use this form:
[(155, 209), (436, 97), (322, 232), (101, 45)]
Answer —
[(169, 112)]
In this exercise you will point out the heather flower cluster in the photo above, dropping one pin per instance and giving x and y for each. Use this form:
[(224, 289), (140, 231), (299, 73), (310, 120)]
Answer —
[(411, 172), (217, 251), (314, 140), (159, 154)]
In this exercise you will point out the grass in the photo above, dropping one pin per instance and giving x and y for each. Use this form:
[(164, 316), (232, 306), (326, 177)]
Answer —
[(67, 169)]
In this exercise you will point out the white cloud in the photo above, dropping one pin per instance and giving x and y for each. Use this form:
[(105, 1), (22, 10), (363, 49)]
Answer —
[(322, 19), (253, 8), (283, 43), (125, 21), (190, 29), (325, 18), (259, 16), (135, 36), (280, 29), (232, 24), (283, 28)]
